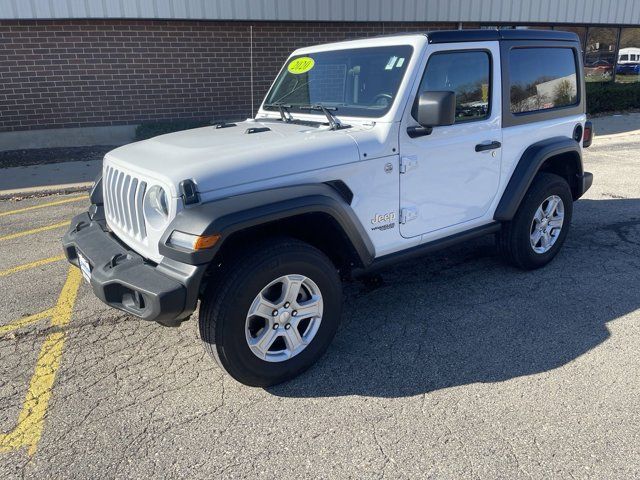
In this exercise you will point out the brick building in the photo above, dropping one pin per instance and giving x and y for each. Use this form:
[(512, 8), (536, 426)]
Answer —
[(100, 67)]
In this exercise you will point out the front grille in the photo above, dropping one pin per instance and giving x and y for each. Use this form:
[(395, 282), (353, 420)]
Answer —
[(123, 196)]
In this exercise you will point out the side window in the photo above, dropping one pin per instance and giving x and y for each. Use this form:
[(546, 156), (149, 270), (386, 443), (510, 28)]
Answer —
[(542, 79), (465, 73)]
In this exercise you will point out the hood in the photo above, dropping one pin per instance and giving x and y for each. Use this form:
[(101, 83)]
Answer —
[(216, 158)]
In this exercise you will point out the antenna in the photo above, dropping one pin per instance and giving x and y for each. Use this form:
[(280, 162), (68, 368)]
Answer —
[(251, 68)]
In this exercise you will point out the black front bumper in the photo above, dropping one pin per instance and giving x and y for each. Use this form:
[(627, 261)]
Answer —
[(165, 292)]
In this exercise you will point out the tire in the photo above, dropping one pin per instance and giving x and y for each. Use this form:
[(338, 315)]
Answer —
[(226, 328), (515, 238)]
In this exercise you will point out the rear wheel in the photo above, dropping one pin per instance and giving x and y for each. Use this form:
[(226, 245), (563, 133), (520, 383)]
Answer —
[(273, 313), (538, 230)]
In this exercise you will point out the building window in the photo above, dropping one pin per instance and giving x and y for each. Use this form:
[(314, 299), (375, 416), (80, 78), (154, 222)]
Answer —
[(600, 54), (533, 27), (542, 79), (628, 65), (465, 73), (580, 31)]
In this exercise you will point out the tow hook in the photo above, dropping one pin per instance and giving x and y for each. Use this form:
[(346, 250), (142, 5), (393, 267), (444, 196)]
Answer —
[(79, 226), (115, 259)]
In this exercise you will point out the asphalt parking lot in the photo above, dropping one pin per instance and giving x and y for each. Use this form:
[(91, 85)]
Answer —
[(457, 366)]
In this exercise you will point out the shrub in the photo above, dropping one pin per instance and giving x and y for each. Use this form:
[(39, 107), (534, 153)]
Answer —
[(153, 129), (612, 97)]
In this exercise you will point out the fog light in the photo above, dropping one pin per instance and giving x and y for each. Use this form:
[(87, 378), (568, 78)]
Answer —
[(189, 241)]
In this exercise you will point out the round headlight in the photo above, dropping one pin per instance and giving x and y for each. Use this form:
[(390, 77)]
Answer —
[(157, 198), (156, 206)]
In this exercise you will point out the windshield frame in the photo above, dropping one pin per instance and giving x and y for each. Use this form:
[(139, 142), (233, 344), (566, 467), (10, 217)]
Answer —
[(344, 111)]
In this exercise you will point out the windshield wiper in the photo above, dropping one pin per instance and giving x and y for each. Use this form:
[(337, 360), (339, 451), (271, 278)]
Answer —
[(285, 114), (334, 123)]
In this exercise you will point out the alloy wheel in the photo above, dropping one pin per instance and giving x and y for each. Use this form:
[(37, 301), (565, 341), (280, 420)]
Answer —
[(284, 318), (547, 224)]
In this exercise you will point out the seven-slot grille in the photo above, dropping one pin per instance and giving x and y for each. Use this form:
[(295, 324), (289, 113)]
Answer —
[(123, 196)]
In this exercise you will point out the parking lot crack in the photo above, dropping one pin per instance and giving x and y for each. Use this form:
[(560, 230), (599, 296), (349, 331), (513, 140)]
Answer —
[(387, 459)]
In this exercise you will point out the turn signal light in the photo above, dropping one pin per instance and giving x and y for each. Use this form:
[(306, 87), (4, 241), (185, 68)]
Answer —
[(206, 241), (192, 242)]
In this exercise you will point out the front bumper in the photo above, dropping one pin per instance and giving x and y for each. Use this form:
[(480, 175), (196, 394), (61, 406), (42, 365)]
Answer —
[(165, 292)]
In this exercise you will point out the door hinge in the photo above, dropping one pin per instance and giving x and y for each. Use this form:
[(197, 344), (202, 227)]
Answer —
[(408, 214), (407, 163)]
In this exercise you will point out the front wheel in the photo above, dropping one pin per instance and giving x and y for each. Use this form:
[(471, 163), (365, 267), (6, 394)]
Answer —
[(539, 228), (273, 314)]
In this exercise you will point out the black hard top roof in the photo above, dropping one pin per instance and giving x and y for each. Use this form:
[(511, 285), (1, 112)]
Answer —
[(487, 35)]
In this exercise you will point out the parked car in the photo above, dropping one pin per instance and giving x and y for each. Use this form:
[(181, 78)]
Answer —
[(363, 154), (599, 68)]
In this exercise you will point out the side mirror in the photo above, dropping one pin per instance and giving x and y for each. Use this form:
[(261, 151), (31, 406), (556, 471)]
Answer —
[(434, 109)]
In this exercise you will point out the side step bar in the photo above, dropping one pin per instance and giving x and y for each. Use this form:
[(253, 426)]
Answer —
[(426, 248)]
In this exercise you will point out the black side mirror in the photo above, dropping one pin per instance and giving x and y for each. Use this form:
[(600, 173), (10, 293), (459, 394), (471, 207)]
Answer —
[(434, 109)]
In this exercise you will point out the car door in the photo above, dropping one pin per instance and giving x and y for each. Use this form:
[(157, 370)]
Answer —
[(450, 176)]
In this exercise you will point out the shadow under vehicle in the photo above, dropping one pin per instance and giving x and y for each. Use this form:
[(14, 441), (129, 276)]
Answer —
[(460, 317)]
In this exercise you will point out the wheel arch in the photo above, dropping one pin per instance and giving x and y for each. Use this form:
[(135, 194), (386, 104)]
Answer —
[(559, 155), (316, 213)]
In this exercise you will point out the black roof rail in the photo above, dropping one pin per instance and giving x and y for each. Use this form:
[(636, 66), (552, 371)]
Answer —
[(488, 35), (483, 35)]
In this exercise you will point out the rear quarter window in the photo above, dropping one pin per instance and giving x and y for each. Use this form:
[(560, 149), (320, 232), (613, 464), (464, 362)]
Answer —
[(542, 79)]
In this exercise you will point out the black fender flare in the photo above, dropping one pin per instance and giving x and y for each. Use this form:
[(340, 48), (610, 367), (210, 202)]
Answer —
[(528, 166), (229, 215)]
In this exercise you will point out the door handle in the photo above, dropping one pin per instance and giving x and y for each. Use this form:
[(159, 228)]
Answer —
[(483, 147)]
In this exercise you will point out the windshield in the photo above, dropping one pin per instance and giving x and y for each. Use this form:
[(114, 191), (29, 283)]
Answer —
[(355, 82)]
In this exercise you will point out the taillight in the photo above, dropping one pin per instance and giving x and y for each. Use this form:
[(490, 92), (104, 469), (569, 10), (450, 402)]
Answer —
[(587, 136)]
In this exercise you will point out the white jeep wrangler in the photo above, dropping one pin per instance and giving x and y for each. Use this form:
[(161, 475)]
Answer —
[(363, 153)]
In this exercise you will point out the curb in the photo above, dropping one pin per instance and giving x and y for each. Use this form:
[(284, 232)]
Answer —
[(45, 190), (608, 136)]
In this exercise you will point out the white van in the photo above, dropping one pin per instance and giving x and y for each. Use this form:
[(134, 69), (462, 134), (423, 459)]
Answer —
[(628, 61)]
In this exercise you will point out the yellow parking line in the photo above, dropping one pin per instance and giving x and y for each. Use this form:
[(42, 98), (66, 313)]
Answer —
[(44, 205), (31, 419), (23, 322), (35, 230), (28, 266)]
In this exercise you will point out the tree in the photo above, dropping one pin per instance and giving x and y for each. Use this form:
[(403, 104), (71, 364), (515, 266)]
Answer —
[(563, 93)]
